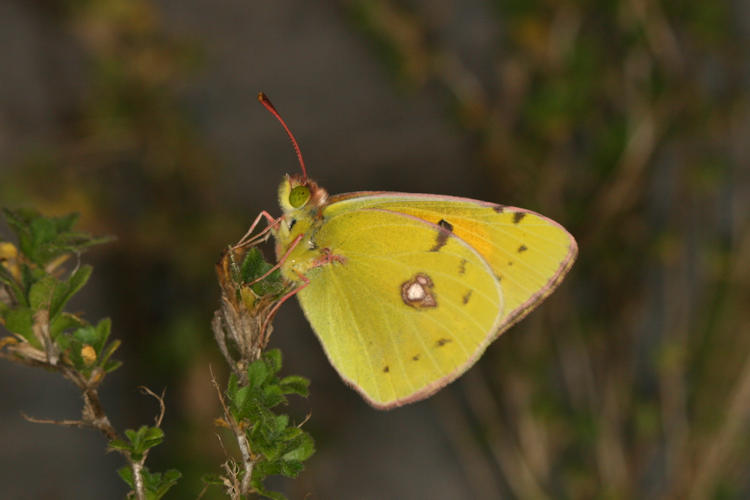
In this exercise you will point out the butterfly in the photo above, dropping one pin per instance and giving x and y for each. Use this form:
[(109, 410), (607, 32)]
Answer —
[(406, 291)]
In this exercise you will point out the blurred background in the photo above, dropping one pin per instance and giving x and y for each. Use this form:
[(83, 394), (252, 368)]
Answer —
[(628, 121)]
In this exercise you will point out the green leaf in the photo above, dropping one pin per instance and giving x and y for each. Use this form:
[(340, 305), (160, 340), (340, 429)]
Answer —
[(29, 276), (18, 221), (290, 435), (232, 385), (294, 384), (67, 289), (63, 322), (240, 397), (257, 373), (15, 288), (291, 468), (126, 473), (119, 444), (304, 449), (107, 352), (131, 435), (103, 329), (41, 292), (273, 396), (158, 485), (42, 239), (95, 336), (143, 439), (111, 366), (21, 320), (253, 267), (43, 231), (85, 335), (152, 436), (272, 359), (280, 423)]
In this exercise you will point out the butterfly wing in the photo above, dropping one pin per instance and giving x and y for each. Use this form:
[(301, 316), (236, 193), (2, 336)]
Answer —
[(399, 318), (529, 253)]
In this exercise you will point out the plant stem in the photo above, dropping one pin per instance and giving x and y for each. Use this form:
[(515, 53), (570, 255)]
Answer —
[(247, 459), (137, 468)]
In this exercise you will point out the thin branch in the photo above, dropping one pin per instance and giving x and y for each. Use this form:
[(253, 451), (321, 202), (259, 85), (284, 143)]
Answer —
[(94, 412), (40, 327), (230, 481), (160, 399), (13, 353), (247, 456), (217, 325), (63, 423), (247, 459)]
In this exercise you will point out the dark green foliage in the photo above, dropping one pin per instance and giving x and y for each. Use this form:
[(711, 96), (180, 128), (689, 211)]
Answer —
[(37, 283), (42, 239), (156, 484), (253, 267), (96, 337), (139, 441), (279, 447), (37, 288)]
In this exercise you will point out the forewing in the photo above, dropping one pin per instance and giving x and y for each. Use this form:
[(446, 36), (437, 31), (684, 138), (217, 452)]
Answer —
[(529, 253), (397, 317)]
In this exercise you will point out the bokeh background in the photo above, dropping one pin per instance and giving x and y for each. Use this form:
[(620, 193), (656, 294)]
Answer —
[(628, 121)]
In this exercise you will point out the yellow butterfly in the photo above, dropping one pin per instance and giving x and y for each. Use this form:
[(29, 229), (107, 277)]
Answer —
[(406, 291)]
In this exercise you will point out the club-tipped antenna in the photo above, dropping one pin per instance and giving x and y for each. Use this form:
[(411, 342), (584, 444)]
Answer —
[(267, 103)]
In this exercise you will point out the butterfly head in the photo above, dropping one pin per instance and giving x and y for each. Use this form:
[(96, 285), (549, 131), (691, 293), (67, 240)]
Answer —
[(301, 201), (301, 195)]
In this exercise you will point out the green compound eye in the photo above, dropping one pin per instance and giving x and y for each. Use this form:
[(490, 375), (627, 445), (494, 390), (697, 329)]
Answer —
[(299, 196)]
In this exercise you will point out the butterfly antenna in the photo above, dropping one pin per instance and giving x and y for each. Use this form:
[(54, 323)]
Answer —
[(267, 103)]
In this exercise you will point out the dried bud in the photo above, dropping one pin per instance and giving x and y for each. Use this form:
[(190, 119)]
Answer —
[(9, 258), (88, 354)]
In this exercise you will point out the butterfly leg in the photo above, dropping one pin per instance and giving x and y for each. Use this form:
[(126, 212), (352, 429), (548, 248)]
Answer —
[(281, 261), (272, 222), (283, 299), (327, 257)]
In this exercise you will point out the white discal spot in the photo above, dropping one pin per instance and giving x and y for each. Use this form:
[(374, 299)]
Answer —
[(418, 292), (415, 291)]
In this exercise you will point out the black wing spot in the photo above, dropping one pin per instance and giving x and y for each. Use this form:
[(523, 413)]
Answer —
[(510, 262), (442, 342), (386, 369), (462, 266), (498, 208), (415, 357), (446, 225), (292, 223), (518, 216), (522, 248), (445, 229), (465, 298)]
